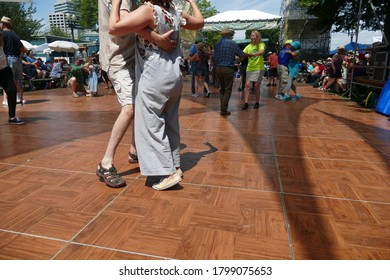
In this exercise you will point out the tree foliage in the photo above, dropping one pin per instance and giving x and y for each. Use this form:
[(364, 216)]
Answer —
[(89, 12), (208, 11), (342, 15), (22, 19)]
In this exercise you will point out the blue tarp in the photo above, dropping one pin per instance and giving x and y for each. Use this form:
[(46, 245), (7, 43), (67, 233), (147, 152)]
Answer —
[(351, 47), (383, 105)]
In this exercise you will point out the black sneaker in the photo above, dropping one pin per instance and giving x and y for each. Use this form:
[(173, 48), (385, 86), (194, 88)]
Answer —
[(257, 105), (246, 106), (15, 121)]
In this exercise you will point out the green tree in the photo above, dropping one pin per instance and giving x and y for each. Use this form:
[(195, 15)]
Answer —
[(89, 12), (57, 32), (22, 19), (208, 11), (342, 15)]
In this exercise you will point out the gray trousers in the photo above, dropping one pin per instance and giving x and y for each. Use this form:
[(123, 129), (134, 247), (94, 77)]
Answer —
[(157, 132)]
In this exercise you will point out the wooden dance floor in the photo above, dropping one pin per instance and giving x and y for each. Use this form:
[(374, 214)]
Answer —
[(292, 180)]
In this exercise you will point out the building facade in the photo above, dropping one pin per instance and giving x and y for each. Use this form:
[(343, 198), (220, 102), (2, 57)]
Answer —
[(58, 19)]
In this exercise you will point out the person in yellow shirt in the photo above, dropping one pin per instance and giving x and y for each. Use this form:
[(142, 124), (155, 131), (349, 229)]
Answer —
[(255, 68)]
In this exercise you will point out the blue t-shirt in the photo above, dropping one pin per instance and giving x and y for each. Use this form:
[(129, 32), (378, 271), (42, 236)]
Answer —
[(284, 57)]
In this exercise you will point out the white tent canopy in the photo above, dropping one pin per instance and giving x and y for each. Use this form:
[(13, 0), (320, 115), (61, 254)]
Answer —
[(241, 20), (28, 45)]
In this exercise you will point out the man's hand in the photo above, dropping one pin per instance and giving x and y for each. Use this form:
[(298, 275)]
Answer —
[(166, 43)]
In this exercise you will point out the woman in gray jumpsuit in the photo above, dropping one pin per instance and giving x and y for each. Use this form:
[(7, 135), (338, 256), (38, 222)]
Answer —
[(159, 85)]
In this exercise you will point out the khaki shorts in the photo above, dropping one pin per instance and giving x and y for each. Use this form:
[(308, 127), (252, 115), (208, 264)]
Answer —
[(123, 83), (255, 76)]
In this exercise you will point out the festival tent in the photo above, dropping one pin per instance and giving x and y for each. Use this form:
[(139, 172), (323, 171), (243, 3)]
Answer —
[(241, 20), (362, 48)]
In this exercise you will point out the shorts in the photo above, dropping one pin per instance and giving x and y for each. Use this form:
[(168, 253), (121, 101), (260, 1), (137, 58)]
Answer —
[(17, 67), (123, 82), (273, 72), (255, 76)]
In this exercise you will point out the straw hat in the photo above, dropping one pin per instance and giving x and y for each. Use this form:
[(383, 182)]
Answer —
[(6, 20), (340, 49), (288, 42), (319, 61), (226, 31)]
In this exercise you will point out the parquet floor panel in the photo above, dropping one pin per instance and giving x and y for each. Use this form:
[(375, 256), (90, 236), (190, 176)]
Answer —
[(291, 180)]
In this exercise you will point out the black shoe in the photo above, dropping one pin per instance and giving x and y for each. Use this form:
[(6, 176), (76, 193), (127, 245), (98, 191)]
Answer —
[(268, 85), (274, 84), (257, 105), (133, 158), (15, 121), (225, 113), (246, 106)]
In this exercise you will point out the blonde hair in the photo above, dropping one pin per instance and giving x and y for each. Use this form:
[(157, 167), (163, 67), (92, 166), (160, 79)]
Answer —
[(258, 35)]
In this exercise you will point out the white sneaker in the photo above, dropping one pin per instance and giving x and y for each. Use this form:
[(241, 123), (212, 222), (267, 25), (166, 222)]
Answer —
[(167, 182), (5, 103), (180, 172)]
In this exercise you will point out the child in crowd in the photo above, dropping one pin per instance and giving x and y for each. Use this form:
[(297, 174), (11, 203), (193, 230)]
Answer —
[(91, 68)]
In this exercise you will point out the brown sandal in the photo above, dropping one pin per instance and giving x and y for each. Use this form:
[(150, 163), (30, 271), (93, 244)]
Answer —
[(110, 176)]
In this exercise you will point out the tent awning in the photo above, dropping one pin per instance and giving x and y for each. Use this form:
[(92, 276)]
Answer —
[(241, 20)]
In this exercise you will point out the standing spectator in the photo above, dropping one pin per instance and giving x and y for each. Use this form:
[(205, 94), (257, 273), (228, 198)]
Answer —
[(202, 70), (283, 58), (92, 70), (273, 69), (160, 83), (193, 57), (7, 83), (255, 68), (13, 48), (243, 65), (225, 54)]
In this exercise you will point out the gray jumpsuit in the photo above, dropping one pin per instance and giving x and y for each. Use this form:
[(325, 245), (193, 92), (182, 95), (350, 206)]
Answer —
[(160, 82)]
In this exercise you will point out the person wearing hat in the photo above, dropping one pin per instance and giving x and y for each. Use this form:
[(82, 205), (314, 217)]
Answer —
[(283, 58), (13, 48), (194, 59), (293, 68), (225, 54), (335, 69), (8, 85)]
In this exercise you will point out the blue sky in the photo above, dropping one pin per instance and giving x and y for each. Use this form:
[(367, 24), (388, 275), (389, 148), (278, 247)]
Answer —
[(45, 7)]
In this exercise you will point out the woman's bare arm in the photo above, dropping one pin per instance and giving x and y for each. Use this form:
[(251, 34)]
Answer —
[(124, 23), (196, 21)]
